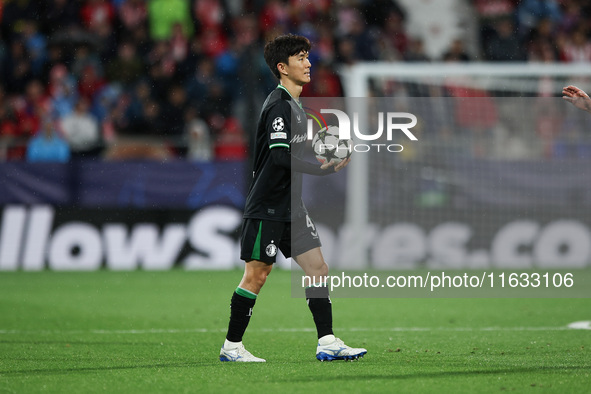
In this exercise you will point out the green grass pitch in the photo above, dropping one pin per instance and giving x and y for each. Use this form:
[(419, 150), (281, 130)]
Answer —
[(145, 332)]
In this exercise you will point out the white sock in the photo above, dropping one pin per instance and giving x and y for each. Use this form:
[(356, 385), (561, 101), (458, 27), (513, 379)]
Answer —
[(231, 345), (325, 340)]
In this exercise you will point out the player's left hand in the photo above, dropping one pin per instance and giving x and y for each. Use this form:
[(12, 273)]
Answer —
[(337, 167), (577, 97)]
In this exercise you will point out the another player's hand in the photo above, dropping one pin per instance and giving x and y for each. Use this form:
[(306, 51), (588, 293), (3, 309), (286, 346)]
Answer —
[(577, 97), (337, 167)]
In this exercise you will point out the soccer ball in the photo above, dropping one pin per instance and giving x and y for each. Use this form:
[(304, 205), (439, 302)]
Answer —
[(327, 146)]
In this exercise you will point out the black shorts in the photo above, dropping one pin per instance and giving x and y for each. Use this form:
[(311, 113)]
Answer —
[(261, 239)]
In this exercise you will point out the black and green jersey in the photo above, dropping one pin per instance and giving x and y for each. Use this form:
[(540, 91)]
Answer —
[(279, 146)]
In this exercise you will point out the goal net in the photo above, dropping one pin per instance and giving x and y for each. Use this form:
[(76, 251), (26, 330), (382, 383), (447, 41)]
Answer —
[(498, 175)]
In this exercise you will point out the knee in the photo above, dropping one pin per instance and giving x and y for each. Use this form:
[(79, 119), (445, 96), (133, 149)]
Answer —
[(321, 269), (255, 279), (260, 278)]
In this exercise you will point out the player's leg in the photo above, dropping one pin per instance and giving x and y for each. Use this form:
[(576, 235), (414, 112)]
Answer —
[(244, 298), (257, 266), (329, 347), (317, 297), (241, 306)]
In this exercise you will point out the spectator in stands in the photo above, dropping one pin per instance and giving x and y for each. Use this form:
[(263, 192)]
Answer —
[(141, 38), (203, 76), (456, 52), (8, 128), (21, 119), (198, 137), (325, 83), (195, 55), (490, 11), (541, 43), (56, 55), (164, 14), (505, 45), (127, 67), (210, 14), (61, 15), (17, 13), (325, 44), (132, 14), (104, 102), (96, 14), (216, 102), (17, 68), (135, 110), (577, 47), (230, 143), (31, 108), (573, 15), (62, 90), (393, 41), (173, 111), (47, 145), (90, 83), (530, 12), (346, 52), (36, 45), (179, 43), (162, 69), (213, 42), (84, 57), (357, 30), (152, 122), (274, 13), (415, 51), (81, 131), (3, 54), (91, 42)]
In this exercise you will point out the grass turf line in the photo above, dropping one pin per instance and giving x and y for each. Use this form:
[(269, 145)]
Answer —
[(107, 332)]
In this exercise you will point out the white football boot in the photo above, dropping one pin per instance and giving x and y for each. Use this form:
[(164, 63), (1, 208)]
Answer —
[(238, 354), (331, 348)]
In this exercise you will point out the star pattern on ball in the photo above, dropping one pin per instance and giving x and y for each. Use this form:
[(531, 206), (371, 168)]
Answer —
[(329, 154)]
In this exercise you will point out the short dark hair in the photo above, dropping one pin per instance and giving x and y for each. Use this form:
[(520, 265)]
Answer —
[(282, 47)]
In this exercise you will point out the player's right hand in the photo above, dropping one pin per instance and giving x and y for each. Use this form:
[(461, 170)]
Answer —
[(337, 167)]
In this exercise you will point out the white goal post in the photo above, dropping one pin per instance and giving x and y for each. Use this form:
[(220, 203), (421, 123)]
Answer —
[(358, 79)]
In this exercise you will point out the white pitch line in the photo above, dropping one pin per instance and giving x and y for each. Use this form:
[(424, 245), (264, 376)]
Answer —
[(580, 325), (577, 325)]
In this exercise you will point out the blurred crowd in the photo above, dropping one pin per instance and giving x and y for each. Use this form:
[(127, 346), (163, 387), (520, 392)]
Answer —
[(137, 79)]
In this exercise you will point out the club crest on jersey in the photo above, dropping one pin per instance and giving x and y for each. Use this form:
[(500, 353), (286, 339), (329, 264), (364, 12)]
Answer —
[(278, 124), (271, 249)]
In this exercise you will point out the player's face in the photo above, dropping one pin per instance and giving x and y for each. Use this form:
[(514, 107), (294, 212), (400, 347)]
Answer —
[(298, 68)]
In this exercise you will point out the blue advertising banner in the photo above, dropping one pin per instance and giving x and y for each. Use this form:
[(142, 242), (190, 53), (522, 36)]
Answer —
[(32, 183), (177, 184), (139, 184)]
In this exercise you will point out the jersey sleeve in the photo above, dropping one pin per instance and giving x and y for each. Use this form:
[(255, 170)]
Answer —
[(278, 125)]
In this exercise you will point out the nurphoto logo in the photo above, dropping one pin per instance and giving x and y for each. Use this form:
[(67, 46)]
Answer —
[(388, 122)]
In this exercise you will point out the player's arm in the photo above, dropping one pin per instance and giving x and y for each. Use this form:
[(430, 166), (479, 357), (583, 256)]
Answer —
[(278, 126), (577, 97)]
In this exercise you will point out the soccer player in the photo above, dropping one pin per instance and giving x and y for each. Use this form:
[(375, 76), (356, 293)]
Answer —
[(269, 222), (577, 97)]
